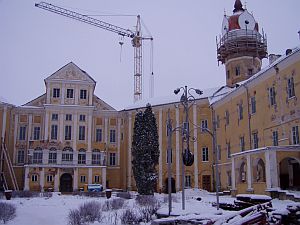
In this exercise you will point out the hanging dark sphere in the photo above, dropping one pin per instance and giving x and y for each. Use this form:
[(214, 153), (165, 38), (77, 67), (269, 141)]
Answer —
[(187, 157)]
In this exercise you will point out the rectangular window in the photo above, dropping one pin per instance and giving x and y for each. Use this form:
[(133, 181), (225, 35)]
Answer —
[(253, 105), (67, 157), (112, 136), (188, 181), (82, 179), (242, 143), (227, 117), (204, 125), (295, 132), (98, 135), (21, 156), (291, 89), (272, 96), (218, 122), (54, 116), (81, 158), (34, 178), (112, 159), (56, 92), (83, 94), (219, 152), (69, 117), (228, 150), (81, 117), (275, 138), (54, 132), (170, 155), (81, 133), (52, 157), (22, 134), (240, 111), (68, 132), (70, 93), (36, 133), (49, 178), (237, 71), (255, 140), (96, 158), (229, 178), (205, 154), (97, 179)]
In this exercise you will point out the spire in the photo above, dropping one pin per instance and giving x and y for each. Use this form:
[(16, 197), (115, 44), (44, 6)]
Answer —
[(238, 6)]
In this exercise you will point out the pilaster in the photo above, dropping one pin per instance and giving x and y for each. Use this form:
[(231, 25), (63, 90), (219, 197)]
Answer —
[(160, 149), (42, 179), (196, 171)]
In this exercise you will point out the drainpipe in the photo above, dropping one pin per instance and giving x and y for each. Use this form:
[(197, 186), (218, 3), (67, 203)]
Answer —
[(248, 115)]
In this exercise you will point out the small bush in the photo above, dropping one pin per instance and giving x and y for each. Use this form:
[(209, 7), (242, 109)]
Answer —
[(91, 212), (74, 217), (113, 204), (46, 194), (148, 206), (129, 217), (25, 194), (7, 212)]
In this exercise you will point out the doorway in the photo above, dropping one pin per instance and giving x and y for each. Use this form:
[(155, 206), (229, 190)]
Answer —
[(289, 174), (66, 183), (206, 182)]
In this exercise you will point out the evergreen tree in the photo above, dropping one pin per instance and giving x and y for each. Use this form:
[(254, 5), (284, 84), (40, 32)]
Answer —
[(145, 151)]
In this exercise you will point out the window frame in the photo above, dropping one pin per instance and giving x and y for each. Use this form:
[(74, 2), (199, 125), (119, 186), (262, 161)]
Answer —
[(112, 135), (81, 133), (56, 93), (98, 135), (291, 87), (36, 133), (83, 94), (205, 157), (68, 132), (112, 159), (22, 133), (70, 93), (54, 131)]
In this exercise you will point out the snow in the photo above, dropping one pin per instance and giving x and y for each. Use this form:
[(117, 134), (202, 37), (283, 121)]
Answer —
[(255, 197), (54, 210)]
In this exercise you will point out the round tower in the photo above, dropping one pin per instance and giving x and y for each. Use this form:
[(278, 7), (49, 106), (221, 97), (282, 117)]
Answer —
[(241, 47)]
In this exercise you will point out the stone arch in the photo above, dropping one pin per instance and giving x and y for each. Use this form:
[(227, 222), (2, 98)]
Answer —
[(242, 172), (259, 170), (289, 173), (66, 183)]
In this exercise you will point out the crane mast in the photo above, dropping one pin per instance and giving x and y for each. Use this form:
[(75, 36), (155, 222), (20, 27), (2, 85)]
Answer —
[(136, 39)]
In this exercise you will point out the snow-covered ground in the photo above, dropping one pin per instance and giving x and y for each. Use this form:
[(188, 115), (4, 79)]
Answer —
[(54, 210)]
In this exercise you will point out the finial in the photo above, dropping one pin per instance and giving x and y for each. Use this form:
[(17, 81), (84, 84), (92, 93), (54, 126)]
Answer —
[(245, 5), (224, 12), (238, 6)]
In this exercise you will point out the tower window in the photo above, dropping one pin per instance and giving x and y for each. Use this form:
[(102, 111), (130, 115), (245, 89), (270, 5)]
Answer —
[(228, 74), (250, 72), (237, 71), (56, 92)]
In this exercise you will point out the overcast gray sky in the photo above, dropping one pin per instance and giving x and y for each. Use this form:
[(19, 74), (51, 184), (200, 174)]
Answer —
[(35, 43)]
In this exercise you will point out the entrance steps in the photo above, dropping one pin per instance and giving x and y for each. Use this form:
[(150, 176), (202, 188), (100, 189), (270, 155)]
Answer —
[(285, 194)]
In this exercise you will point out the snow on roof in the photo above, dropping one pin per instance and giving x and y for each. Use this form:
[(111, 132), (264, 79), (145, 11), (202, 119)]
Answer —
[(3, 100), (258, 74), (170, 99)]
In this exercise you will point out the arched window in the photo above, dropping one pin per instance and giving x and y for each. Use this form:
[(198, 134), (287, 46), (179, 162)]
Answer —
[(81, 156), (243, 172), (52, 159), (260, 171), (37, 155), (67, 155)]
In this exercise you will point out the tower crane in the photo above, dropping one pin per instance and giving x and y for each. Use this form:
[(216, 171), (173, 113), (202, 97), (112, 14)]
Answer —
[(136, 40)]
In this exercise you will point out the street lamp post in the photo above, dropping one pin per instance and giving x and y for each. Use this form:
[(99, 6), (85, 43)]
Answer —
[(187, 100), (213, 135)]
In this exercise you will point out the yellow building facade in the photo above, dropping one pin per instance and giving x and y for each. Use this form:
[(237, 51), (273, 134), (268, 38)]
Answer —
[(68, 137)]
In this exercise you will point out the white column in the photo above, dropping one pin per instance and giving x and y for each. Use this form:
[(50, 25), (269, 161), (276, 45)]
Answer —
[(160, 149), (48, 94), (15, 136), (274, 170), (62, 99), (74, 135), (76, 94), (118, 141), (4, 122), (91, 93), (59, 156), (233, 187), (45, 156), (196, 185), (26, 179), (103, 173), (29, 129), (42, 179), (75, 179), (268, 169), (129, 153), (106, 130), (177, 151), (249, 173), (61, 127), (90, 176), (56, 180), (46, 125), (89, 132)]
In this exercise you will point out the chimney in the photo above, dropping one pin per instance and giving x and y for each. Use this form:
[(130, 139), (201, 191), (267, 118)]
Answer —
[(273, 58)]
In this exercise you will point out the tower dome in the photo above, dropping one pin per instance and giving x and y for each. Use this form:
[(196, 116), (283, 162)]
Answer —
[(241, 47)]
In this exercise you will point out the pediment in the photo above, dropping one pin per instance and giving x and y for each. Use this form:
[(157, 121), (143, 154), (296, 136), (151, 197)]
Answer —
[(70, 72), (100, 104), (39, 101)]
